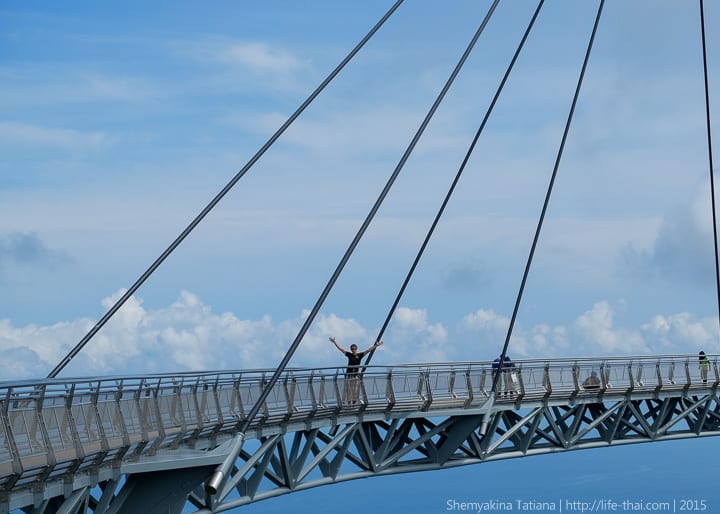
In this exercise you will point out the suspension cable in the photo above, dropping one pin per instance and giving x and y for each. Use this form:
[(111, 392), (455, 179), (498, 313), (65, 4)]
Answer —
[(503, 353), (79, 346), (221, 471), (366, 223), (710, 157), (455, 181)]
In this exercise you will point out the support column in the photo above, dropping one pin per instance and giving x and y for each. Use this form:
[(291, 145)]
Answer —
[(161, 492)]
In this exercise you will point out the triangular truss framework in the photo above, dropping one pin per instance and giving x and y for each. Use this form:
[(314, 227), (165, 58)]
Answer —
[(282, 463)]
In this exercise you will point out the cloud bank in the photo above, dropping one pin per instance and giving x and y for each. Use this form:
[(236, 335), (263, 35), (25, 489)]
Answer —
[(189, 336)]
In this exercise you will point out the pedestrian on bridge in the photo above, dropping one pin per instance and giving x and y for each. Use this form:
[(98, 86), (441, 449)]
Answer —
[(508, 377), (592, 382), (352, 375), (704, 366)]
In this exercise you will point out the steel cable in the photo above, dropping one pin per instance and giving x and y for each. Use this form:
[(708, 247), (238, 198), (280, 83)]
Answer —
[(368, 219), (221, 471), (710, 156), (79, 346), (459, 173), (503, 353)]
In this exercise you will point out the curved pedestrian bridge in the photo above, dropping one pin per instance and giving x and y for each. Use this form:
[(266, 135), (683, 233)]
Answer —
[(75, 439)]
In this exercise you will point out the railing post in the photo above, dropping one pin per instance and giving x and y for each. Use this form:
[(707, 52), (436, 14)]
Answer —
[(658, 373), (468, 386), (120, 421), (576, 377), (338, 396), (389, 391), (311, 389), (362, 392), (74, 435), (639, 377), (521, 382), (671, 373), (176, 398), (428, 389), (481, 385), (154, 395), (421, 385), (236, 394), (547, 384), (17, 466), (605, 376), (265, 408), (177, 413), (219, 417), (50, 452), (198, 412), (177, 401), (289, 395), (65, 424), (94, 399), (142, 417), (203, 401), (322, 401)]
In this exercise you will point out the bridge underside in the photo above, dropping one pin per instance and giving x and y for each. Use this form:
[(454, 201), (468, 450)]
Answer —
[(369, 445)]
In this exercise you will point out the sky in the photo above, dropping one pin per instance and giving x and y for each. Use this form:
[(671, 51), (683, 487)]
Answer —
[(119, 121)]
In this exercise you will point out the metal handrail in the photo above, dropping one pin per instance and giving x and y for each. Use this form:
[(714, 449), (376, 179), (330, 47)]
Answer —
[(214, 374), (95, 421)]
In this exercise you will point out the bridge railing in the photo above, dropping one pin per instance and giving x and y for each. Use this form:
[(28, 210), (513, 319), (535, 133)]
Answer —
[(53, 428)]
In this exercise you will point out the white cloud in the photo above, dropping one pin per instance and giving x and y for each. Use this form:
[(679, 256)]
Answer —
[(683, 332), (486, 320), (117, 88), (490, 329), (372, 130), (595, 333), (35, 349), (253, 56), (30, 86), (599, 335), (26, 133), (189, 336), (259, 56), (413, 339)]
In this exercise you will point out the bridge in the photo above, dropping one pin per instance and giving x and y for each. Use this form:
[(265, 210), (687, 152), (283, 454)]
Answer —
[(217, 440), (150, 443)]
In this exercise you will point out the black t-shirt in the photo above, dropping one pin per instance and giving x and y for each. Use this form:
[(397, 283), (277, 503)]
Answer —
[(354, 360)]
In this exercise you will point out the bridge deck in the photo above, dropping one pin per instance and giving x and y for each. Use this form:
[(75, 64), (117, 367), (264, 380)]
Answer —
[(55, 429)]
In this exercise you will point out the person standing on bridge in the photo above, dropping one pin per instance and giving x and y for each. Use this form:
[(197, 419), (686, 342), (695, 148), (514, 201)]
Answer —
[(704, 366), (506, 368), (509, 375), (352, 376)]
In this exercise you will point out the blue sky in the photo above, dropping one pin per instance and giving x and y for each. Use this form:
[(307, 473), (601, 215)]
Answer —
[(120, 121)]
